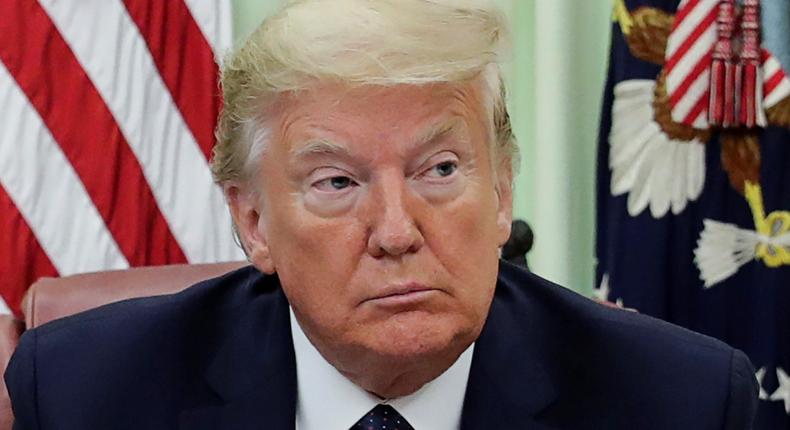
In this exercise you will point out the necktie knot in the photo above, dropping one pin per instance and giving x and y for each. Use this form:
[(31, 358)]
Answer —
[(382, 417)]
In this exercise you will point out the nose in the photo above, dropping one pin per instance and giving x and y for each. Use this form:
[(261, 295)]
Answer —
[(394, 230)]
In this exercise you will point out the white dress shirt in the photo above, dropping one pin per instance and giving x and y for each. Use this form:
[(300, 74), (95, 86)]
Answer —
[(328, 400)]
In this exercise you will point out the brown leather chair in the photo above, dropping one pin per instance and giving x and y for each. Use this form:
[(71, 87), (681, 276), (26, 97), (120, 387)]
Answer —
[(52, 298)]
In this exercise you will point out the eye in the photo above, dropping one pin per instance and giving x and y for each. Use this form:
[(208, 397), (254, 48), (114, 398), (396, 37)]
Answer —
[(335, 183), (445, 168), (340, 182), (441, 170)]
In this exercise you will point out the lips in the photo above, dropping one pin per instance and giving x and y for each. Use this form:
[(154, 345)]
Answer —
[(399, 290), (402, 294)]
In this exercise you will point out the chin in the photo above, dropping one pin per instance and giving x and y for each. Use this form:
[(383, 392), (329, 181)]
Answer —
[(413, 336)]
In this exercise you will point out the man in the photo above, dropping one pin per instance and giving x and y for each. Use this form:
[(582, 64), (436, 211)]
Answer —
[(366, 155)]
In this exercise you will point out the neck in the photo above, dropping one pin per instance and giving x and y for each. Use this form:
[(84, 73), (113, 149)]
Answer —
[(391, 372), (389, 379)]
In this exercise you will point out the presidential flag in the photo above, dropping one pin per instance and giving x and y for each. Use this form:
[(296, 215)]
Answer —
[(694, 176), (107, 125)]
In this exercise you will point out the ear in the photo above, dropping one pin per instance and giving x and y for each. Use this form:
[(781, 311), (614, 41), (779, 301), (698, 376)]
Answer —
[(245, 210), (504, 191)]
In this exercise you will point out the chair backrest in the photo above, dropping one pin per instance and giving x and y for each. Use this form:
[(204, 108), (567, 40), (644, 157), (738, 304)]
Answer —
[(10, 330), (52, 298)]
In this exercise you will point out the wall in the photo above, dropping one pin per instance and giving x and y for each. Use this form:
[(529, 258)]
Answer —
[(556, 80)]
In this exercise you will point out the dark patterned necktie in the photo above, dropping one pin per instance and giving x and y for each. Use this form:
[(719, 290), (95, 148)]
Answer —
[(382, 417)]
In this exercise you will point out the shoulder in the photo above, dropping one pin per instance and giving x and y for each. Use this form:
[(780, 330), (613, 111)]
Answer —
[(580, 317), (149, 348), (625, 361), (198, 310)]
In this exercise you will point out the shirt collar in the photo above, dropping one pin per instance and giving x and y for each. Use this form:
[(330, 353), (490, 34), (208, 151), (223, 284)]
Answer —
[(327, 399)]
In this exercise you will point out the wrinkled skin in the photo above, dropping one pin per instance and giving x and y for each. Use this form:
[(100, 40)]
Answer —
[(382, 210)]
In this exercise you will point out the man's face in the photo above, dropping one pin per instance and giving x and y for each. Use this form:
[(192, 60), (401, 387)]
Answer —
[(382, 214)]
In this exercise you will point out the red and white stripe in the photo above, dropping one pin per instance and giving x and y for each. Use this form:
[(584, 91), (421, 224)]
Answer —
[(688, 62), (776, 85), (108, 115)]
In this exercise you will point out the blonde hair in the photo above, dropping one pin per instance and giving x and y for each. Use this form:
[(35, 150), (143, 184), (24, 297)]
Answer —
[(357, 42)]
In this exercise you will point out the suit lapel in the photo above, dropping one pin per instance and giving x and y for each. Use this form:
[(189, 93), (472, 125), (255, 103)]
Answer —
[(512, 379), (253, 373), (513, 376)]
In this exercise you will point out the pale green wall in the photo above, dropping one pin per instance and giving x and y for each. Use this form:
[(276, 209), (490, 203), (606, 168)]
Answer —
[(247, 14), (555, 81), (561, 49)]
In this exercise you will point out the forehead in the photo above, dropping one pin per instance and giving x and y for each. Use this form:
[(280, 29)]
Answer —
[(379, 114)]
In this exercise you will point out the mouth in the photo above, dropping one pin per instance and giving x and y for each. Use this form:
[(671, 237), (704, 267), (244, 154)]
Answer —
[(403, 295)]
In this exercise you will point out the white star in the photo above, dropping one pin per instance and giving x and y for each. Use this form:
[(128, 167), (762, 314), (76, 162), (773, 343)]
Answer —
[(783, 392), (760, 374), (602, 292)]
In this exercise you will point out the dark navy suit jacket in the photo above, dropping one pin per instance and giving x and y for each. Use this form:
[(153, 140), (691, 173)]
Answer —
[(220, 356)]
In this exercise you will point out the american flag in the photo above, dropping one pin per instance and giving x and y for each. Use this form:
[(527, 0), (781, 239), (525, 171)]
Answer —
[(717, 264), (108, 110), (688, 63)]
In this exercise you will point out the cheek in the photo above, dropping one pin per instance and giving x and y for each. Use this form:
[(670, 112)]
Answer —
[(467, 228), (309, 250), (464, 238)]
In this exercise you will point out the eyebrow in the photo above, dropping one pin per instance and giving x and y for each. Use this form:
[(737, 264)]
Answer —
[(454, 126), (320, 147), (440, 130), (327, 147)]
